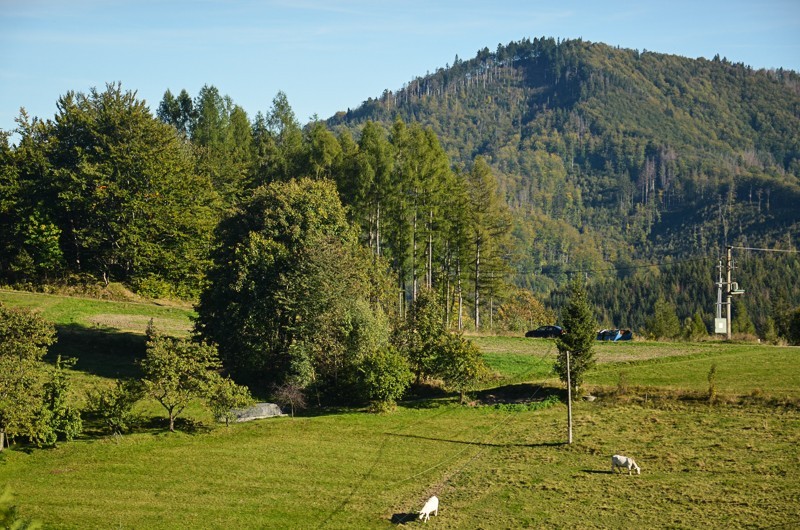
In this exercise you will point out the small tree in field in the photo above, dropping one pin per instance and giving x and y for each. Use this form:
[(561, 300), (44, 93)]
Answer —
[(58, 418), (176, 371), (224, 395), (385, 376), (290, 393), (580, 325), (421, 333), (114, 405), (664, 322), (695, 328), (460, 364)]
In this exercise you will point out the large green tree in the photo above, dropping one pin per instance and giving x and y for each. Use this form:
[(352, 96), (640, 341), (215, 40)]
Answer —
[(177, 111), (222, 136), (280, 152), (489, 224), (121, 187), (664, 323), (287, 287)]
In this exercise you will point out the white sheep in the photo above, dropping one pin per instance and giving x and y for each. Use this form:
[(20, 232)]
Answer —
[(432, 505), (619, 461)]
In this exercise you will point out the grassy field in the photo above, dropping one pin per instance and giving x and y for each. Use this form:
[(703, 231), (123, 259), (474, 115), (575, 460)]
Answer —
[(103, 315), (741, 369), (106, 337), (731, 464)]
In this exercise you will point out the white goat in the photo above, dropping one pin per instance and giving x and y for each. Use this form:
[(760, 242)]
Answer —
[(619, 461), (432, 505)]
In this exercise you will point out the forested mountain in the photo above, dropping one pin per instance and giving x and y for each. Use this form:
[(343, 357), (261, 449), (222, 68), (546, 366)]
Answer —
[(489, 180), (613, 160)]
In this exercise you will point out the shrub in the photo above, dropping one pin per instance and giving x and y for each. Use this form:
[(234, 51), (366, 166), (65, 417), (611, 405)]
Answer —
[(114, 405)]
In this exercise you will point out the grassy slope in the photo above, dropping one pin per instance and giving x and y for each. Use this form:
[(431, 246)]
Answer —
[(703, 465), (742, 369), (106, 337), (124, 317)]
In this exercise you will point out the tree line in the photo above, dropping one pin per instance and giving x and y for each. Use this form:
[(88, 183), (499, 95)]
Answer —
[(612, 159), (106, 190), (313, 256)]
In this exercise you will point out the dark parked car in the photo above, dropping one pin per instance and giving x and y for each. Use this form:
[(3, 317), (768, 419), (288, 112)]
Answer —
[(614, 335), (546, 332)]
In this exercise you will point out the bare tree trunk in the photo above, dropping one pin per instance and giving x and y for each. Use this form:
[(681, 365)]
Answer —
[(477, 284), (429, 279), (414, 258), (378, 230), (460, 297), (569, 403), (448, 306)]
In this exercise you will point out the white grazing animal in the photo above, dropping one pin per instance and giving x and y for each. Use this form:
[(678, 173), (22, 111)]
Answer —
[(619, 461), (432, 505)]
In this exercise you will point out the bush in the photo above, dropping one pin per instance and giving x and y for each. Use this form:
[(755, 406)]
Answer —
[(526, 407), (114, 405), (386, 376)]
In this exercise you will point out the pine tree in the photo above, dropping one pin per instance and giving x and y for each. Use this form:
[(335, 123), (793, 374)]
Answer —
[(489, 223), (664, 323), (581, 329)]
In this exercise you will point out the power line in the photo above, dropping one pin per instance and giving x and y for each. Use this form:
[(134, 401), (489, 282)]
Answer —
[(768, 250), (632, 267)]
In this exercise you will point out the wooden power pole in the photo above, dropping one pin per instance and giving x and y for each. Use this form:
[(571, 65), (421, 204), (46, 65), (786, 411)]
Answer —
[(569, 403)]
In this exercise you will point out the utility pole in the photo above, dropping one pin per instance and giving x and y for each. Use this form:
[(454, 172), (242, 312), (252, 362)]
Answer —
[(569, 403), (731, 288), (729, 268)]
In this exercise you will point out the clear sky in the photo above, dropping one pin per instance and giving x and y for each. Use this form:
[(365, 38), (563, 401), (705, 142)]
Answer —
[(331, 55)]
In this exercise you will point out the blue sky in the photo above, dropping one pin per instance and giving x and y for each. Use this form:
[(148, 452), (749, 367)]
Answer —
[(332, 55)]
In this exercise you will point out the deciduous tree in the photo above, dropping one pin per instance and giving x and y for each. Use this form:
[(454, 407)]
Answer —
[(224, 395), (460, 364), (176, 371), (124, 192), (113, 405), (288, 284), (24, 339)]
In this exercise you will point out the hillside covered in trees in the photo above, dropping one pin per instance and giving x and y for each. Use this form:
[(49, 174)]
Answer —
[(622, 165), (488, 181)]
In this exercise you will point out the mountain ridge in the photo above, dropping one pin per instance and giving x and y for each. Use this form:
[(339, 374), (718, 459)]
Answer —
[(654, 118), (614, 160)]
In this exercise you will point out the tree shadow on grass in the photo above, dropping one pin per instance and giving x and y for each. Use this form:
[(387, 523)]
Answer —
[(102, 352), (519, 393)]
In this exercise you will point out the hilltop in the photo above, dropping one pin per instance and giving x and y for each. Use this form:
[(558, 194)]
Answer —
[(608, 154)]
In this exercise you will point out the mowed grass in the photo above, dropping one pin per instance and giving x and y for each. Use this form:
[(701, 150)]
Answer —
[(742, 369), (731, 464), (104, 315), (106, 337), (721, 467)]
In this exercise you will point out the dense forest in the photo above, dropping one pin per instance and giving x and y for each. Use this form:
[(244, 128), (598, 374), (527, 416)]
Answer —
[(635, 169), (488, 182)]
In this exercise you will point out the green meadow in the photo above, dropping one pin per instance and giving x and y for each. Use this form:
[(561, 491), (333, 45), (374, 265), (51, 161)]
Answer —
[(730, 463)]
